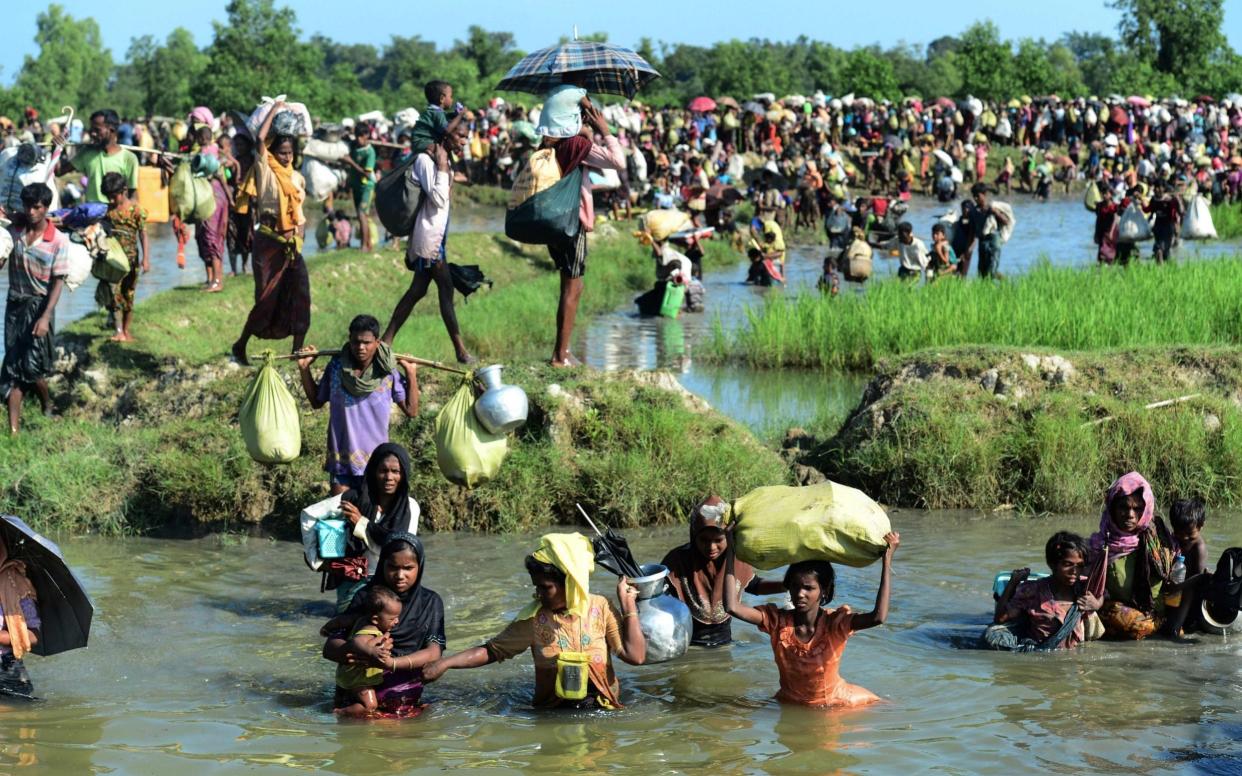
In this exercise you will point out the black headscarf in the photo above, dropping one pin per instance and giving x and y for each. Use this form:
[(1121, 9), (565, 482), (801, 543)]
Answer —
[(397, 519), (422, 611)]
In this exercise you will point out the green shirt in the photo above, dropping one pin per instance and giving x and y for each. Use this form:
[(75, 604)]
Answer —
[(95, 163), (1120, 580), (364, 157)]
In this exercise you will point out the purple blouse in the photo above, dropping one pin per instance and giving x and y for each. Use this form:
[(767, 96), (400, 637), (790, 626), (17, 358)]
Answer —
[(31, 612)]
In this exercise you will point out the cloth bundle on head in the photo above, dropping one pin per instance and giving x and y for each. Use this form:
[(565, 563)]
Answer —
[(701, 579), (561, 115), (430, 128), (574, 555), (14, 586), (1120, 544)]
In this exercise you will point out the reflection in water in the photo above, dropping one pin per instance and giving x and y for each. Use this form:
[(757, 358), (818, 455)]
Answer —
[(205, 658)]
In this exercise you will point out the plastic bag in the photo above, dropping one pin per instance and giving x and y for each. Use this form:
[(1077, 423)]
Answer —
[(321, 180), (1006, 230), (190, 199), (780, 525), (269, 417), (6, 244), (1091, 199), (1133, 226), (540, 173), (858, 261), (1198, 224), (326, 150), (549, 216), (113, 266), (467, 453), (298, 123)]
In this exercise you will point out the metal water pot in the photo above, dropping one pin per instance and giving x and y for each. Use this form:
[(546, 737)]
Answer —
[(502, 408), (664, 619)]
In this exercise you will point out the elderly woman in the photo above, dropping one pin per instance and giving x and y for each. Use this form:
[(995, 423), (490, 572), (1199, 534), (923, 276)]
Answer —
[(1137, 549), (571, 633), (696, 571)]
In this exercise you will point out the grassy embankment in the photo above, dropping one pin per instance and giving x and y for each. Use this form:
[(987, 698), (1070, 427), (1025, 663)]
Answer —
[(1227, 218), (148, 438), (1185, 303), (980, 427)]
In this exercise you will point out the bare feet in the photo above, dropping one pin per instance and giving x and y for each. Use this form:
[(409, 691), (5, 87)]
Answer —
[(466, 358), (239, 355), (566, 361)]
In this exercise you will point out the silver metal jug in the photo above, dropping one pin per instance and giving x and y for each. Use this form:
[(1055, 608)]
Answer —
[(664, 619), (502, 408)]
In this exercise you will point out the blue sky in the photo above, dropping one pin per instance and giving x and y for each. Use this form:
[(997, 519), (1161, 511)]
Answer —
[(538, 23)]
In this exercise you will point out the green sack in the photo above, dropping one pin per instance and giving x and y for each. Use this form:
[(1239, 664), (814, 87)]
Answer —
[(468, 453), (674, 299), (269, 417), (549, 216), (1091, 198), (113, 266), (191, 199), (779, 525)]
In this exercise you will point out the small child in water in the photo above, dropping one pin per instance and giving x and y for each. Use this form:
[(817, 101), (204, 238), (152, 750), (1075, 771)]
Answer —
[(342, 229), (943, 259), (368, 637), (1186, 520), (807, 642), (1030, 614)]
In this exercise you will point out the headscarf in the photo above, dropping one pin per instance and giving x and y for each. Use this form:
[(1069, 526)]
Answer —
[(290, 197), (571, 152), (1120, 544), (561, 115), (573, 554), (699, 582), (422, 611), (201, 115), (14, 586), (363, 385), (398, 517)]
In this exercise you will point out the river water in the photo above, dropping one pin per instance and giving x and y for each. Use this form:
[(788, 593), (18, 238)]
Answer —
[(204, 659)]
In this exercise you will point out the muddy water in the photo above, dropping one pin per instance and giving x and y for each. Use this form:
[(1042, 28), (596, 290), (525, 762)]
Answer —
[(204, 659)]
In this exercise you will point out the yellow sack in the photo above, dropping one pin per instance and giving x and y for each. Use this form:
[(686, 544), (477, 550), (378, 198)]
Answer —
[(662, 223), (779, 525), (540, 173), (468, 453), (269, 417)]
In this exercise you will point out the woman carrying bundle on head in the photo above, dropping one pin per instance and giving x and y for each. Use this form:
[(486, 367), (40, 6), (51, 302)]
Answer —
[(273, 193)]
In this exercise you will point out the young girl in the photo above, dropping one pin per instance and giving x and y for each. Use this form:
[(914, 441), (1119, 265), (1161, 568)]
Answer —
[(808, 641), (368, 638), (1031, 615), (944, 260), (129, 227)]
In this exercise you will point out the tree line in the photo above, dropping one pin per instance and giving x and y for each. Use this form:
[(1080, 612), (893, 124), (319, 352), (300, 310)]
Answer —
[(1163, 47)]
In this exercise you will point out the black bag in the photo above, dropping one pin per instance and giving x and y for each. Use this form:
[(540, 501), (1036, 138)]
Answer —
[(549, 216), (398, 198), (468, 278), (1224, 593)]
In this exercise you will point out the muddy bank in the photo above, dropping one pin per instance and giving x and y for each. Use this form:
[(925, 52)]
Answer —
[(1039, 430)]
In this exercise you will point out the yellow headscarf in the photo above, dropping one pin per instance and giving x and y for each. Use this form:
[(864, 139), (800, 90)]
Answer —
[(289, 197), (573, 554)]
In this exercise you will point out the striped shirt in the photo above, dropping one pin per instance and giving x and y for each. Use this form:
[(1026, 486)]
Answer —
[(32, 267)]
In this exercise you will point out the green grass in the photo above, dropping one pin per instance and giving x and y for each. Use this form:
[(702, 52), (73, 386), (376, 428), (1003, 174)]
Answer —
[(1227, 218), (150, 443), (935, 437), (1189, 303)]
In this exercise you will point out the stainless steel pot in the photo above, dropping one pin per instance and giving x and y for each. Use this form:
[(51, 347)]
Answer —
[(664, 619), (502, 408)]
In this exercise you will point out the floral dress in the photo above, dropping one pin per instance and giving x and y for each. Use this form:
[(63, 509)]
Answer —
[(127, 228)]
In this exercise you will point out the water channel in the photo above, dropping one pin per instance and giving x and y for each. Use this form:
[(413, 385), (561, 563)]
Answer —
[(204, 659)]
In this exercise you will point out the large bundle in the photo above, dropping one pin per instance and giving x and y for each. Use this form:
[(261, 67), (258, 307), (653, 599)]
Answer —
[(1198, 224), (397, 197), (779, 525), (540, 173), (1091, 198), (293, 119), (663, 223), (858, 260), (1006, 230), (322, 181), (190, 199), (468, 453), (550, 215), (112, 265), (80, 262), (326, 150), (1133, 226), (269, 418)]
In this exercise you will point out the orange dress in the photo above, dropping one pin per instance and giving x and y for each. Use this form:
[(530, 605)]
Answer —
[(809, 671)]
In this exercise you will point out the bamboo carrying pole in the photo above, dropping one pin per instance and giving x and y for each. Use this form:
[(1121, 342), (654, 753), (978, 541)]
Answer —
[(1153, 406), (399, 356), (135, 149)]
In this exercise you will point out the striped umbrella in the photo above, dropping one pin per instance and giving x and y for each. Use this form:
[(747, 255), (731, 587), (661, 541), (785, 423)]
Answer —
[(600, 68)]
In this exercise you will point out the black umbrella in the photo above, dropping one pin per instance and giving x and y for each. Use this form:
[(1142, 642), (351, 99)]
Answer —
[(612, 551), (64, 606)]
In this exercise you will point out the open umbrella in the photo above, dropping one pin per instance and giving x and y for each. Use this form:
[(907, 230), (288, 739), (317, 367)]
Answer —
[(727, 102), (754, 107), (1139, 102), (64, 606), (702, 104), (945, 102), (943, 157), (600, 68)]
